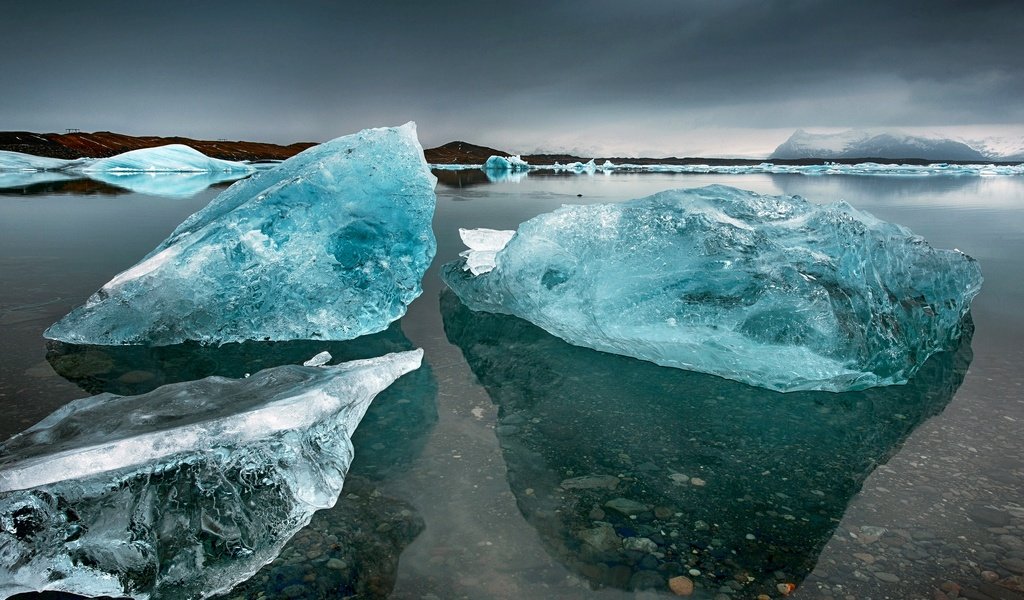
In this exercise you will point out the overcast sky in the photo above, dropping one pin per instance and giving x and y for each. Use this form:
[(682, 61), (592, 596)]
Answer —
[(652, 78)]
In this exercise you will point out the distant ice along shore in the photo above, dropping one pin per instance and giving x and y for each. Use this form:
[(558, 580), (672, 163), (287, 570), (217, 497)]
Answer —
[(850, 153), (826, 168), (172, 158)]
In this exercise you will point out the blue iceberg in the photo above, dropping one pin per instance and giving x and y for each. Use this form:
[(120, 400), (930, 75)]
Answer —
[(773, 291), (331, 244), (174, 170), (589, 167), (19, 161), (172, 158), (185, 491), (510, 164)]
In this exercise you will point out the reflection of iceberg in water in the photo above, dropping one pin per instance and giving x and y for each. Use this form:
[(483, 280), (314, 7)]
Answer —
[(170, 185), (349, 551), (186, 490), (393, 430), (773, 291), (174, 170), (634, 473), (28, 179), (357, 543), (506, 176)]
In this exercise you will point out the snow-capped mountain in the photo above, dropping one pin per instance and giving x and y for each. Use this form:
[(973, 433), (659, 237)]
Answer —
[(857, 143), (1000, 148)]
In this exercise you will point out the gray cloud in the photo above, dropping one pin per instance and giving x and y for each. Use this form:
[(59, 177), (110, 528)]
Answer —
[(656, 75)]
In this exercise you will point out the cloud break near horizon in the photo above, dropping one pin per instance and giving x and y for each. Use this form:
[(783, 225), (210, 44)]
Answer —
[(653, 78)]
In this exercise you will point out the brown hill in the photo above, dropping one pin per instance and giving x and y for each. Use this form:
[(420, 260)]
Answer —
[(104, 143), (460, 153)]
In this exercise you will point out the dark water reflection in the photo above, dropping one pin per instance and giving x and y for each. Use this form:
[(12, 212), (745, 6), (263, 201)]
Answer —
[(597, 414), (167, 185), (393, 431), (681, 470)]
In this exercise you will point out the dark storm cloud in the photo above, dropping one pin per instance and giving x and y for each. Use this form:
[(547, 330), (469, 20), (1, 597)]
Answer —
[(510, 71)]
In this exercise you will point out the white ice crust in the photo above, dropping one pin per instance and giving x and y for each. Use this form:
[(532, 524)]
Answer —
[(483, 245)]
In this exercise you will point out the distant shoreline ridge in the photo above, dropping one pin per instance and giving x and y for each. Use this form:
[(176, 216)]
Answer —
[(103, 144)]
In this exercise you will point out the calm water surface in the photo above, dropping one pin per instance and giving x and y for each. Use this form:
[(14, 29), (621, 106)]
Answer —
[(515, 465)]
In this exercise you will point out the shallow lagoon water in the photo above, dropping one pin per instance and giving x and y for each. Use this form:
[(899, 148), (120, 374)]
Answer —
[(880, 494)]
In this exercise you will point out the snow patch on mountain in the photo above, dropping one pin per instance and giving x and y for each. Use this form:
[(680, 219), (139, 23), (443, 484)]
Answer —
[(873, 143)]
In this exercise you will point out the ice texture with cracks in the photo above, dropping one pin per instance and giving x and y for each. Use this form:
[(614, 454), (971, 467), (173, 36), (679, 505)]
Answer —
[(773, 291), (331, 244), (185, 491)]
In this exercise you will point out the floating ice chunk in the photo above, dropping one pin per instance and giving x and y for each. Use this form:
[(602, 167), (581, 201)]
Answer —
[(172, 158), (772, 291), (506, 163), (820, 169), (578, 167), (485, 239), (184, 491), (483, 245), (18, 161), (332, 244), (174, 171), (319, 360), (828, 168)]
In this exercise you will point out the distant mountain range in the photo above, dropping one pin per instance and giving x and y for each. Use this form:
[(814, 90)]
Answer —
[(102, 144), (894, 145), (1000, 148), (801, 148)]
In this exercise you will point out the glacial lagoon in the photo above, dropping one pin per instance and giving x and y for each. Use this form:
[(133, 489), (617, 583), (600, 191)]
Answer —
[(515, 465)]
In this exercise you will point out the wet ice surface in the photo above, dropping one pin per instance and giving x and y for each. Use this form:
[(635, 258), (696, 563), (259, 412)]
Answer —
[(183, 491), (446, 465), (352, 548), (331, 244), (773, 291)]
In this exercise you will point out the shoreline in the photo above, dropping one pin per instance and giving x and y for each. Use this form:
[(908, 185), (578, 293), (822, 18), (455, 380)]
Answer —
[(103, 144)]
